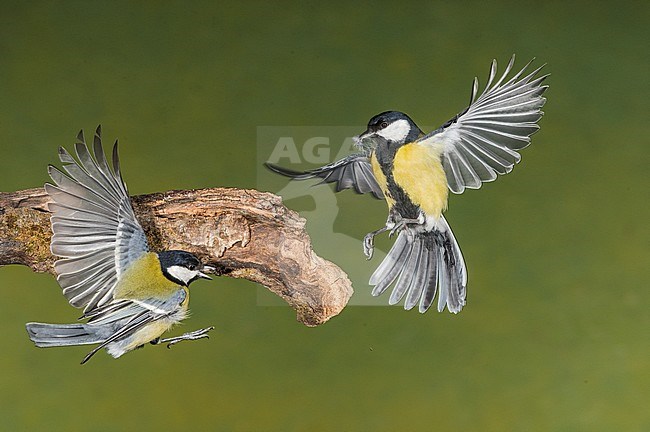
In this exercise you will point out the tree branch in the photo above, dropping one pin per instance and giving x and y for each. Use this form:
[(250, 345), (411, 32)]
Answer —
[(243, 233)]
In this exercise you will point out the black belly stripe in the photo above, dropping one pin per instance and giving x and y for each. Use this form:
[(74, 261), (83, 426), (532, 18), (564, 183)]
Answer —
[(403, 204)]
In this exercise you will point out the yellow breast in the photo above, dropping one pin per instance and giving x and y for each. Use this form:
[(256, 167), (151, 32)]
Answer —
[(417, 169), (143, 279), (149, 333)]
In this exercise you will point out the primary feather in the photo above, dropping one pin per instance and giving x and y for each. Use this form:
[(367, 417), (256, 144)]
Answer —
[(351, 172), (484, 139), (96, 234)]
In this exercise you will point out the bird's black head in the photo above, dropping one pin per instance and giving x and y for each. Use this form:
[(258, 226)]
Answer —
[(181, 267), (392, 126)]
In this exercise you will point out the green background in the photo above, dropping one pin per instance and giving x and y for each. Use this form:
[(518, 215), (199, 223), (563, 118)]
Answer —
[(555, 336)]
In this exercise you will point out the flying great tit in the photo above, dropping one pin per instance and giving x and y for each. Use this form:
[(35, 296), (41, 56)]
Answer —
[(130, 296), (413, 171)]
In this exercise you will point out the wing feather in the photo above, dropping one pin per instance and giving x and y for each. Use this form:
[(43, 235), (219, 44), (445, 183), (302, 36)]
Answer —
[(352, 172), (127, 317), (484, 139), (96, 234)]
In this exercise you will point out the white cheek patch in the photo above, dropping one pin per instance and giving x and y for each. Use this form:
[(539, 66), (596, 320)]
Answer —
[(182, 274), (396, 131)]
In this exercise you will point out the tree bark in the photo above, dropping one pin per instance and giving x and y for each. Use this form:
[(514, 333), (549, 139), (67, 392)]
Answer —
[(243, 233)]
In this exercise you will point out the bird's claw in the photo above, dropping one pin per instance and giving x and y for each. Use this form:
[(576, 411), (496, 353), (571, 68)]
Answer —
[(195, 335), (398, 226), (368, 245)]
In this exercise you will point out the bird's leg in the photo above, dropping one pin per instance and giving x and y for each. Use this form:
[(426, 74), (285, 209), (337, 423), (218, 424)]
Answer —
[(405, 222), (196, 334), (369, 239)]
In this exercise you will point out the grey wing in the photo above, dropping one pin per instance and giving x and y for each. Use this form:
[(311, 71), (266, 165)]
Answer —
[(484, 139), (96, 234), (125, 317), (126, 309), (352, 172)]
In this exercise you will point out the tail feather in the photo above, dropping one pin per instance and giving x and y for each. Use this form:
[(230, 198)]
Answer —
[(407, 276), (424, 284), (391, 266), (453, 272), (52, 335), (424, 262), (421, 266)]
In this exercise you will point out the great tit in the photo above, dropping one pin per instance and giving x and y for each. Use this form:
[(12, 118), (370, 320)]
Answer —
[(413, 172), (130, 296)]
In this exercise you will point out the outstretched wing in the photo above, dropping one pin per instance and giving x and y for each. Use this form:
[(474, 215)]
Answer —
[(352, 172), (95, 230), (484, 139)]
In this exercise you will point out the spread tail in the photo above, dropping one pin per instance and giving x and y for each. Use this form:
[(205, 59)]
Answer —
[(52, 335), (424, 262)]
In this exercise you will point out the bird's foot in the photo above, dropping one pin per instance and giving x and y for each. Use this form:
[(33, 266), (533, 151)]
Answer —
[(402, 223), (369, 239), (369, 245), (398, 226), (196, 334)]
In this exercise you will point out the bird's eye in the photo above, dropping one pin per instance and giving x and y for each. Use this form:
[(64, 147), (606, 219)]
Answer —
[(383, 125), (191, 267)]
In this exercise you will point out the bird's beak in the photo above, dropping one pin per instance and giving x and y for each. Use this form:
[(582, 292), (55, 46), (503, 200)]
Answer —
[(206, 268)]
